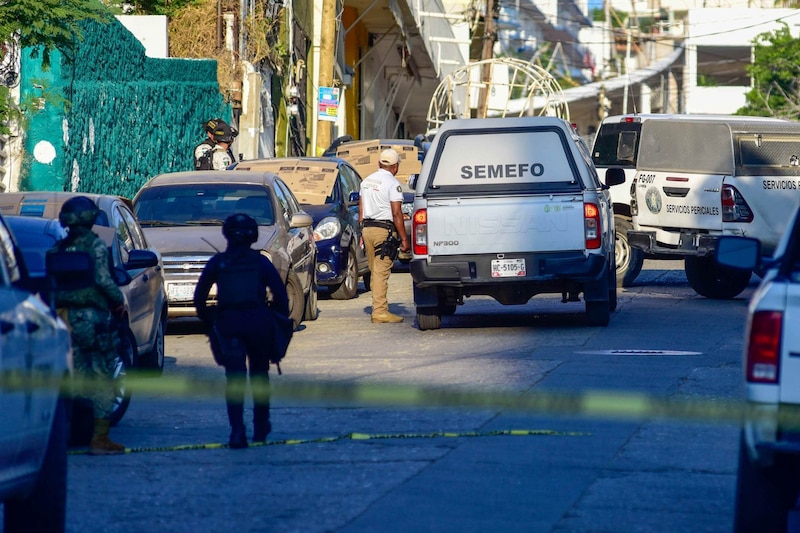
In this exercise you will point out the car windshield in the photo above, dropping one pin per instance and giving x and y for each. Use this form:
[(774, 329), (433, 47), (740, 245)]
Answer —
[(202, 204)]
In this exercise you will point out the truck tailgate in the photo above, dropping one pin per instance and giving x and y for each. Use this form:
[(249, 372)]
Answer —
[(790, 349), (508, 224), (678, 200)]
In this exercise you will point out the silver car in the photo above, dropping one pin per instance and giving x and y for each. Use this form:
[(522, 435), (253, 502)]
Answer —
[(182, 215)]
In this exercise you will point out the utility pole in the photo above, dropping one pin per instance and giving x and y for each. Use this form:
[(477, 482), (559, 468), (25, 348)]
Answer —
[(327, 41), (486, 54)]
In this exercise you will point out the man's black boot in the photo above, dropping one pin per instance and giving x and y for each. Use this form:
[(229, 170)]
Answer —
[(238, 438), (261, 424)]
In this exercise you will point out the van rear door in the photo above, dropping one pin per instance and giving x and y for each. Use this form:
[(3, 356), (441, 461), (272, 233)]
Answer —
[(681, 169)]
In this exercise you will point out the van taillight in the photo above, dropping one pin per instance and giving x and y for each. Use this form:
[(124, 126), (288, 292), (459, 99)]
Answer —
[(419, 229), (764, 347), (734, 208), (591, 225)]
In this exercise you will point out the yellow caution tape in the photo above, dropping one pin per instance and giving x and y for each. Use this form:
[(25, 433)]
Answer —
[(359, 437)]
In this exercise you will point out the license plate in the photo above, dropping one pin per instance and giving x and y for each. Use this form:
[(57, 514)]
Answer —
[(506, 268), (180, 292)]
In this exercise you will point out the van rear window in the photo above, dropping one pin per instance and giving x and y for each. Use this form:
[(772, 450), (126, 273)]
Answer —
[(506, 158), (617, 144)]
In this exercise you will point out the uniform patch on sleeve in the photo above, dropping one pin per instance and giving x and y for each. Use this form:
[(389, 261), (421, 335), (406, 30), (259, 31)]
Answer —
[(399, 188)]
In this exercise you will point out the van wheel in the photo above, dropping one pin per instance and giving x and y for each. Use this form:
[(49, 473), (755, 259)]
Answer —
[(713, 280), (44, 508), (429, 321), (297, 299), (122, 390), (629, 259), (764, 494), (347, 289), (598, 313)]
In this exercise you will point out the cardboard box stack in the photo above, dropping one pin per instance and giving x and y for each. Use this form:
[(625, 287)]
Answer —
[(363, 155)]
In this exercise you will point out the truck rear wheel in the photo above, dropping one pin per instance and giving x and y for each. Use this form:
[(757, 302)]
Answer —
[(712, 280), (629, 259), (764, 494), (428, 321), (598, 313)]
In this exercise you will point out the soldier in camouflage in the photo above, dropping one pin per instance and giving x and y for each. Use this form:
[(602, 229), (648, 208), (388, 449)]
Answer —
[(89, 313)]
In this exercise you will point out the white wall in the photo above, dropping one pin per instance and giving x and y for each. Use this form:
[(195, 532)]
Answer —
[(150, 30), (726, 27)]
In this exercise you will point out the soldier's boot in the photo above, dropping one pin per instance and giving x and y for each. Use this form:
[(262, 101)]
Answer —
[(238, 438), (261, 424), (101, 444)]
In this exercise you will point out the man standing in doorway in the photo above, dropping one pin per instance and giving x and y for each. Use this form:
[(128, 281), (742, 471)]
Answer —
[(381, 216)]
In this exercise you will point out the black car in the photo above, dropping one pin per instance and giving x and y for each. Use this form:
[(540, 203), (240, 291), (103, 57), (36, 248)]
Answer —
[(328, 190)]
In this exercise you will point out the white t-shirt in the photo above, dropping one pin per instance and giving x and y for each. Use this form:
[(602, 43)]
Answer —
[(378, 191)]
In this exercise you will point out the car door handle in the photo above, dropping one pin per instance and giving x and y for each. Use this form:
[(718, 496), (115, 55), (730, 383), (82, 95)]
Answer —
[(5, 327), (31, 326)]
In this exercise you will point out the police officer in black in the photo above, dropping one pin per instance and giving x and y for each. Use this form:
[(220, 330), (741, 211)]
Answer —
[(241, 324)]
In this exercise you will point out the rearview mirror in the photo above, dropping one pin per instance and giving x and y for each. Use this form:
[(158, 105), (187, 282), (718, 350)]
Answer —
[(738, 252)]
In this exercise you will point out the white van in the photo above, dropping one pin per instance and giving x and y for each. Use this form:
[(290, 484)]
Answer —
[(699, 179)]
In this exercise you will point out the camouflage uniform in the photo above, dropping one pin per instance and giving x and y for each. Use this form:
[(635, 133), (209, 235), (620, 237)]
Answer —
[(94, 339)]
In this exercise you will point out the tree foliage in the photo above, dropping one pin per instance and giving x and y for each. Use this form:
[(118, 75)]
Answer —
[(776, 76), (47, 25)]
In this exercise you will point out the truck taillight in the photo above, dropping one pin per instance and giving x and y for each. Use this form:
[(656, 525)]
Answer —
[(591, 225), (419, 230), (734, 208), (764, 347), (634, 206)]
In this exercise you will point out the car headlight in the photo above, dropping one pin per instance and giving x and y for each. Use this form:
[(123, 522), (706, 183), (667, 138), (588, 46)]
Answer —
[(327, 228)]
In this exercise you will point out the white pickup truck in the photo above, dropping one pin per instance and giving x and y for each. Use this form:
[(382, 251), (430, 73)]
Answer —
[(768, 484), (699, 179), (511, 208)]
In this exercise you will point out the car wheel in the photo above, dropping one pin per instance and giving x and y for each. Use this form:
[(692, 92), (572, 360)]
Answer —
[(713, 280), (44, 508), (425, 321), (122, 390), (154, 359), (347, 289), (629, 259), (296, 298), (312, 310), (764, 494), (598, 313)]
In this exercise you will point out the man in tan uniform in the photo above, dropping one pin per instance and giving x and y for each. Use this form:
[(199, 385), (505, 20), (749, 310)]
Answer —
[(380, 214)]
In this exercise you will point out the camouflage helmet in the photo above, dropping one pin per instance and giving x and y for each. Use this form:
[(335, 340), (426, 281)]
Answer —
[(240, 229), (78, 211)]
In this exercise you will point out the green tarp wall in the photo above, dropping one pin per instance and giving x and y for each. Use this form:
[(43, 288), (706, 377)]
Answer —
[(127, 116)]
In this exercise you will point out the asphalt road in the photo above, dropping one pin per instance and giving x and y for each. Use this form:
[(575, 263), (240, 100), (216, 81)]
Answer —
[(444, 468)]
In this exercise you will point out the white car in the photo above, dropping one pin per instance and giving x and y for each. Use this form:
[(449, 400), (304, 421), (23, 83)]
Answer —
[(769, 455), (34, 343)]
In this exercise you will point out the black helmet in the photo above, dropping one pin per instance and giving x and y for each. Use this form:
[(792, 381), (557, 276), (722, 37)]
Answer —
[(78, 211), (212, 124), (240, 229), (224, 133)]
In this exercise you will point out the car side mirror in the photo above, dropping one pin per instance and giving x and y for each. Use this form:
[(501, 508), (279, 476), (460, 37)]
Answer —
[(615, 176), (738, 252), (301, 220), (412, 181), (355, 196), (141, 259)]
